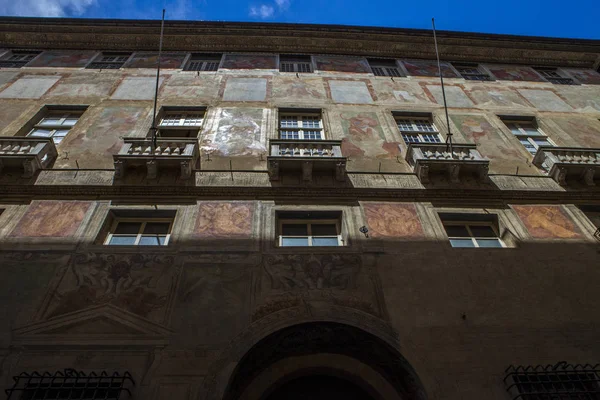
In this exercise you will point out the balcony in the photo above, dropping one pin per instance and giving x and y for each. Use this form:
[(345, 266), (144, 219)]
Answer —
[(569, 162), (30, 153), (180, 153), (429, 158), (307, 156)]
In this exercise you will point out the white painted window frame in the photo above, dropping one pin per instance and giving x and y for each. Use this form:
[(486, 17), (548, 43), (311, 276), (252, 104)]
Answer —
[(416, 131), (309, 222), (473, 238), (143, 222), (58, 126), (301, 128), (521, 125)]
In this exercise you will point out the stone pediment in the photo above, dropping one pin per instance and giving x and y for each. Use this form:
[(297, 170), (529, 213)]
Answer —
[(104, 325)]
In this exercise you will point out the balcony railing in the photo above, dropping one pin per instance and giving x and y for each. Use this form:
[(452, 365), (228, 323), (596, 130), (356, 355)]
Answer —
[(306, 155), (31, 153), (182, 153), (572, 162), (464, 159)]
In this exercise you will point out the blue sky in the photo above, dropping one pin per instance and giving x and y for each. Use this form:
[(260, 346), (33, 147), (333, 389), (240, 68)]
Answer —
[(575, 19)]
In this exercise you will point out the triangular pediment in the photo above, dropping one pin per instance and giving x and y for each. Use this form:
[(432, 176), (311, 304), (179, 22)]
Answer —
[(100, 325)]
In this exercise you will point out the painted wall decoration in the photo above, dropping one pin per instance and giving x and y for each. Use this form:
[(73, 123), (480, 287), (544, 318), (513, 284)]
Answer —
[(6, 76), (9, 111), (245, 89), (294, 89), (399, 92), (84, 85), (548, 222), (514, 73), (95, 146), (203, 87), (393, 220), (249, 61), (51, 219), (350, 92), (29, 87), (137, 88), (545, 100), (139, 283), (150, 60), (342, 64), (218, 220), (584, 132), (455, 97), (364, 136), (583, 98), (494, 96), (63, 58), (429, 68), (240, 133), (587, 76)]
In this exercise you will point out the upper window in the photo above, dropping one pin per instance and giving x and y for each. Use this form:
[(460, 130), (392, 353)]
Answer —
[(417, 129), (472, 230), (17, 58), (552, 75), (109, 61), (529, 134), (303, 229), (293, 63), (139, 232), (471, 72), (593, 214), (302, 126), (203, 62), (185, 122), (382, 67), (55, 124)]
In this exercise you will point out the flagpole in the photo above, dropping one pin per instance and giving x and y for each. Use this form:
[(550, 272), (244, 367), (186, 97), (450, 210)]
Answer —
[(153, 128), (437, 54)]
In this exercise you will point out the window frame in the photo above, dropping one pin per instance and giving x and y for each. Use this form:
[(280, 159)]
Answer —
[(296, 61), (6, 62), (99, 61), (144, 222), (466, 223), (308, 222), (416, 132), (385, 66), (53, 128), (206, 60), (554, 75), (167, 130), (530, 138), (479, 76), (300, 128)]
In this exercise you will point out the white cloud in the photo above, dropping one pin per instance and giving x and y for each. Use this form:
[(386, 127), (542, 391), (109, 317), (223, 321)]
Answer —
[(282, 4), (44, 8), (264, 11)]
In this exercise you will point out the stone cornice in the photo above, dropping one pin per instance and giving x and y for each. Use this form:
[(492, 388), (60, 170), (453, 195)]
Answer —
[(137, 35)]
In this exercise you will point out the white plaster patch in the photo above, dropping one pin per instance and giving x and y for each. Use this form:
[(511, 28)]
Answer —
[(245, 89), (455, 97), (136, 88), (80, 90), (545, 100), (29, 87), (6, 76), (350, 92)]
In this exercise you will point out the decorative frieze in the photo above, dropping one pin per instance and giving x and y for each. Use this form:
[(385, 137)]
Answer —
[(563, 162), (31, 153)]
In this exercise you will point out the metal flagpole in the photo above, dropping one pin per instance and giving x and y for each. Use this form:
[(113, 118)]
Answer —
[(449, 137), (153, 128)]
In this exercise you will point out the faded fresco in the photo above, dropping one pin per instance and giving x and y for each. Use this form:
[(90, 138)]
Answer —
[(150, 60), (63, 58), (455, 97), (493, 96), (586, 99), (399, 92), (29, 87), (139, 283), (218, 220), (514, 73), (429, 68), (587, 76), (393, 220), (249, 61), (6, 76), (94, 147), (9, 111), (584, 132), (240, 133), (51, 218), (294, 89), (201, 88), (137, 88), (364, 137), (350, 92), (82, 85), (245, 89), (545, 100), (548, 222), (342, 64)]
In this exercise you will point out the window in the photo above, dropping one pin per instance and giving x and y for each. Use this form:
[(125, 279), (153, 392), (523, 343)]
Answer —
[(139, 232), (472, 230), (417, 129), (302, 126), (17, 58), (181, 122), (593, 214), (302, 229), (528, 134), (203, 62), (293, 63), (55, 124), (109, 61), (384, 67), (471, 72), (552, 75)]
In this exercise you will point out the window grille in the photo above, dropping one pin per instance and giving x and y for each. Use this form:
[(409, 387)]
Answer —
[(552, 75), (553, 382), (70, 384), (295, 64), (418, 130), (109, 61), (56, 124), (18, 59), (471, 72), (384, 68), (301, 126), (530, 136), (203, 62)]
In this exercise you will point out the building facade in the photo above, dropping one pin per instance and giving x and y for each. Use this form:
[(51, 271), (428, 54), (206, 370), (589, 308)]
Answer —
[(299, 224)]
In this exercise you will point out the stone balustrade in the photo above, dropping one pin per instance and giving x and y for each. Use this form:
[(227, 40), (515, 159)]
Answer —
[(30, 153), (427, 158), (573, 162), (183, 153)]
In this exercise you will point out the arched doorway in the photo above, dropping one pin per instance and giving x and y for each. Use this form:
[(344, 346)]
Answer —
[(310, 358)]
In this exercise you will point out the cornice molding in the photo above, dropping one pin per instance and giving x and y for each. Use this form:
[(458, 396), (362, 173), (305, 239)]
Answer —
[(135, 35)]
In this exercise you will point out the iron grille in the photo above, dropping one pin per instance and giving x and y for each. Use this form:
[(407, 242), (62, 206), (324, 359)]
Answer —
[(597, 234), (561, 81), (553, 382), (70, 384)]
